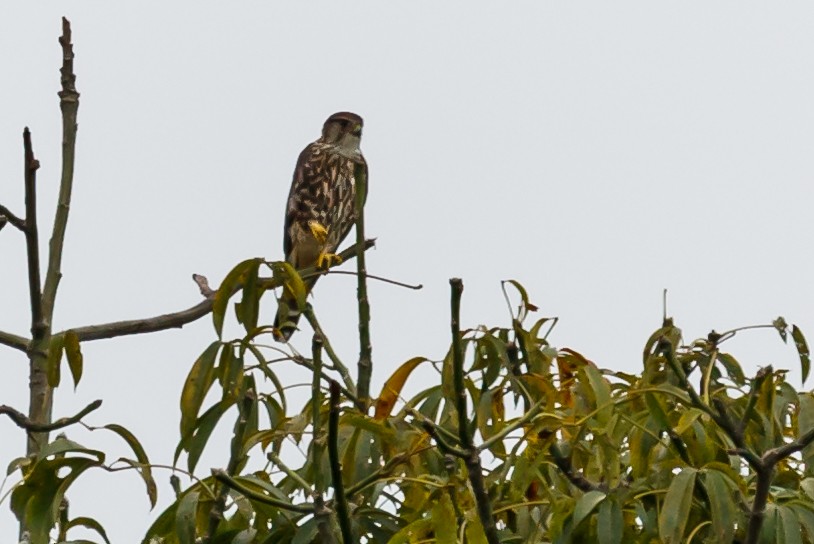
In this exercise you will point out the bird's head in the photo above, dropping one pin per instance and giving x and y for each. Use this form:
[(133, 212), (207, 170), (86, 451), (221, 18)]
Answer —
[(343, 129)]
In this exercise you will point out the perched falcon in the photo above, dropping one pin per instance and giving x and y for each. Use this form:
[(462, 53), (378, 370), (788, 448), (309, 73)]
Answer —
[(321, 205)]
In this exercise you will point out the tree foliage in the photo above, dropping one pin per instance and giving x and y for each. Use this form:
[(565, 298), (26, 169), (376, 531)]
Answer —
[(514, 441)]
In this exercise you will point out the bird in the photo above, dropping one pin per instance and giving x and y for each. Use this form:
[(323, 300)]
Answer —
[(321, 207)]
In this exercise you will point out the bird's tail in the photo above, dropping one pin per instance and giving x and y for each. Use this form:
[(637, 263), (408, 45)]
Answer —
[(288, 313)]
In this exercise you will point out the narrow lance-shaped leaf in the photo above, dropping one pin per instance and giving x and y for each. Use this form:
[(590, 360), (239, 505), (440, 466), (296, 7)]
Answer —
[(443, 519), (722, 504), (610, 522), (55, 350), (586, 504), (802, 350), (197, 384), (89, 523), (392, 388), (144, 468), (229, 285), (74, 355), (185, 518), (250, 302), (676, 507)]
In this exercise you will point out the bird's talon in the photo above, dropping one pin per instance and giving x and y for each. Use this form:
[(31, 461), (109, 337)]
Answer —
[(327, 260), (319, 232)]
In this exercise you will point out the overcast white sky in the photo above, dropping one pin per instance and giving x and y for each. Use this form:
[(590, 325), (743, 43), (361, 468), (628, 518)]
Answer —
[(596, 151)]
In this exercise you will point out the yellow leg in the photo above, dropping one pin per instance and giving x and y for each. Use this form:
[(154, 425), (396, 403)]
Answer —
[(320, 233)]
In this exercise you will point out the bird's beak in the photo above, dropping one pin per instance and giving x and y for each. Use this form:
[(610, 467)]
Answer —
[(357, 130)]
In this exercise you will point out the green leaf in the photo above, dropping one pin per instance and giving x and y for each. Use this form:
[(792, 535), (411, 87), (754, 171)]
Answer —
[(227, 288), (143, 467), (733, 368), (196, 443), (413, 532), (788, 527), (806, 518), (246, 536), (291, 281), (250, 301), (676, 507), (443, 520), (722, 504), (197, 384), (802, 351), (74, 356), (586, 504), (231, 373), (37, 499), (610, 523), (55, 349), (185, 518), (601, 388), (88, 523)]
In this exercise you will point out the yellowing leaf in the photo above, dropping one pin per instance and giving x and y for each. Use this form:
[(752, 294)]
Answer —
[(444, 522), (55, 350), (74, 356), (392, 388)]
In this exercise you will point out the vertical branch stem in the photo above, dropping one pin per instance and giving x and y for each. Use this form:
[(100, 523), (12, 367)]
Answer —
[(322, 514), (32, 241), (69, 104), (472, 457), (39, 392), (365, 367), (336, 467), (317, 443), (758, 510)]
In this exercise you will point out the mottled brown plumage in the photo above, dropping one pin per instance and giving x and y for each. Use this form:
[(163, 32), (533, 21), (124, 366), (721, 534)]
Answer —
[(321, 204)]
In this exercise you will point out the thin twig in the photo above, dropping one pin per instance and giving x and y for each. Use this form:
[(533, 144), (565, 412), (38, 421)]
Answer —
[(336, 467), (224, 478), (564, 464), (365, 366), (337, 363), (415, 287), (291, 473), (23, 422)]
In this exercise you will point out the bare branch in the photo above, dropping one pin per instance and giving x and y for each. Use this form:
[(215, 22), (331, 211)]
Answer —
[(221, 476), (69, 104), (23, 422), (14, 341), (365, 365), (32, 237), (142, 326), (177, 320), (472, 460), (13, 219), (340, 499)]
